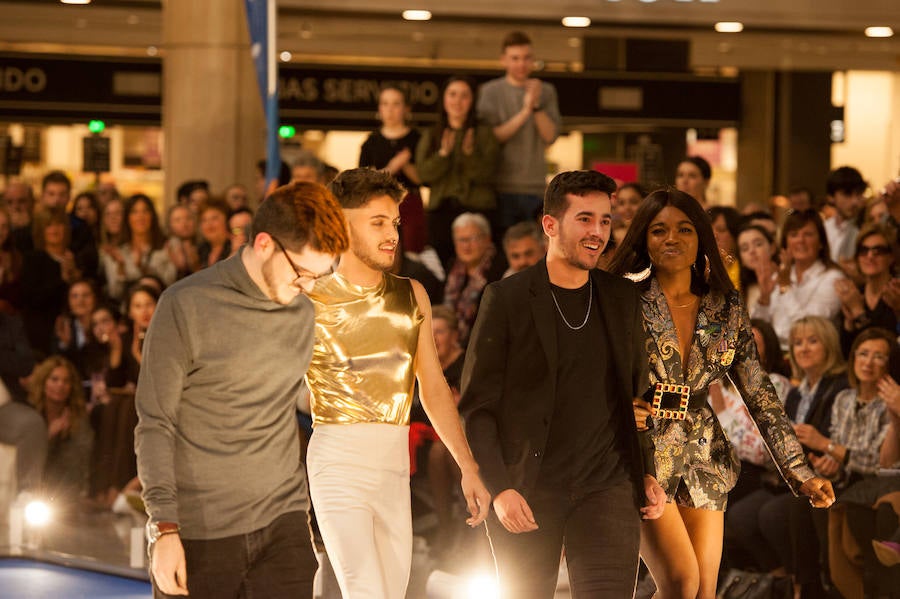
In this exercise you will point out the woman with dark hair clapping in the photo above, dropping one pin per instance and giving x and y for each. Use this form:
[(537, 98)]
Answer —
[(456, 159), (142, 251)]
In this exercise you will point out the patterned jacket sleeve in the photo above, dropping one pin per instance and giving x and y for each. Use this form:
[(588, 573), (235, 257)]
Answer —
[(762, 401)]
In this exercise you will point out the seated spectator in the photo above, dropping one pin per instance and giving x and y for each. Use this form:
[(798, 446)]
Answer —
[(859, 417), (107, 192), (263, 187), (845, 187), (112, 414), (524, 246), (55, 193), (20, 425), (308, 168), (10, 267), (851, 451), (627, 201), (755, 523), (805, 283), (55, 392), (125, 353), (142, 251), (476, 264), (456, 158), (869, 511), (756, 250), (408, 265), (181, 245), (112, 231), (735, 419), (801, 198), (239, 228), (72, 331), (86, 208), (215, 242), (236, 196), (194, 195), (47, 272), (864, 307), (18, 198), (726, 223), (692, 176), (443, 474), (762, 219), (876, 212)]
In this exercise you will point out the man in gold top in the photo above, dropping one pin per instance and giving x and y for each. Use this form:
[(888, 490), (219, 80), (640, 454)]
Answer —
[(373, 339)]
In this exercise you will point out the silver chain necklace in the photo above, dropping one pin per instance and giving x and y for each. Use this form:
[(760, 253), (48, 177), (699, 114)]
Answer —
[(563, 316)]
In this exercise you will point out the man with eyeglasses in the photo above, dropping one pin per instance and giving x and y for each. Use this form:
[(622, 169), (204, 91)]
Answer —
[(217, 444), (373, 340)]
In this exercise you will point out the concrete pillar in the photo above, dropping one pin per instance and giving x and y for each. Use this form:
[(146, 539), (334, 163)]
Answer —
[(212, 114), (756, 137)]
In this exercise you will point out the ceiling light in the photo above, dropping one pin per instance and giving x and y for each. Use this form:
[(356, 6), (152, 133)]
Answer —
[(75, 1), (648, 1), (729, 27), (417, 15), (879, 32), (576, 21), (285, 56)]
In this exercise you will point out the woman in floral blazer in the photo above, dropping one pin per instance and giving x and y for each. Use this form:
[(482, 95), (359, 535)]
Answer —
[(697, 333)]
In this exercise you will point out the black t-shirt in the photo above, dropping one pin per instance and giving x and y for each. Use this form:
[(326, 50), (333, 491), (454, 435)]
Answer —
[(378, 150), (583, 451)]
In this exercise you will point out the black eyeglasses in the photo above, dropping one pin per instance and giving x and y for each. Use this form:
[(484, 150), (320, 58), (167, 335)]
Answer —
[(302, 277), (877, 250)]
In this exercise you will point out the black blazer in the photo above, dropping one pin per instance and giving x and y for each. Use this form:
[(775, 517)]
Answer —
[(509, 377), (819, 414)]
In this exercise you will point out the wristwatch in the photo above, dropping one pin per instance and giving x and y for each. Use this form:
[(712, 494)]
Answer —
[(158, 529), (830, 449)]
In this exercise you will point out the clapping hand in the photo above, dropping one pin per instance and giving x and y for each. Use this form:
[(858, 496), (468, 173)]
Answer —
[(399, 160), (448, 139), (468, 143), (889, 392), (824, 465), (532, 97)]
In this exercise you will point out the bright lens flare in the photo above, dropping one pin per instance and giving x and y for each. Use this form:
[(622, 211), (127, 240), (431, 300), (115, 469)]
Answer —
[(37, 513), (483, 586)]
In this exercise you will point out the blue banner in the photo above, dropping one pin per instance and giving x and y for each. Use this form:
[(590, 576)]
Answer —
[(261, 24)]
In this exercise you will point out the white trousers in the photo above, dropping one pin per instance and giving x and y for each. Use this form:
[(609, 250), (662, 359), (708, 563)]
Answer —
[(359, 483)]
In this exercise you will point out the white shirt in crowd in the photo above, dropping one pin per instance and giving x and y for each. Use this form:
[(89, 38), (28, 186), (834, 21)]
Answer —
[(814, 296)]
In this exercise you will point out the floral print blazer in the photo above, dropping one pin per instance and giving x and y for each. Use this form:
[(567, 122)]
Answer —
[(723, 345)]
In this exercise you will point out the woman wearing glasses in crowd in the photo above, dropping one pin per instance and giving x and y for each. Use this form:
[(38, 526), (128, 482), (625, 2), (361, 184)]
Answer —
[(804, 285), (697, 333), (871, 304)]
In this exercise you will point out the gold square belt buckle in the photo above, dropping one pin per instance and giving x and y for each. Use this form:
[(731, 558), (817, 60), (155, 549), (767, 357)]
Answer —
[(671, 401)]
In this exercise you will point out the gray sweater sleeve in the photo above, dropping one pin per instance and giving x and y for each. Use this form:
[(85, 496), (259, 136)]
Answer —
[(164, 364)]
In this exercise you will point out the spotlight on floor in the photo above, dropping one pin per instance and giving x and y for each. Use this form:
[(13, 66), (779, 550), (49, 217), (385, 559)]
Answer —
[(37, 513), (482, 586), (443, 585)]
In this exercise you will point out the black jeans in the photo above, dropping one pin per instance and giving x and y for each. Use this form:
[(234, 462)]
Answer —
[(271, 563), (601, 534)]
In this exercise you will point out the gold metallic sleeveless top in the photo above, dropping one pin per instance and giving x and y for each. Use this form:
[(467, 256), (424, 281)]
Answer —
[(363, 365)]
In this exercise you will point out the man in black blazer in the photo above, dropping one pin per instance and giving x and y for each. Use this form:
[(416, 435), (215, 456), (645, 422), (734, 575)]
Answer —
[(555, 360)]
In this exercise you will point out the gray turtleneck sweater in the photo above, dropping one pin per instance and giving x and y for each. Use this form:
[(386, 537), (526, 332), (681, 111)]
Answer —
[(222, 368)]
